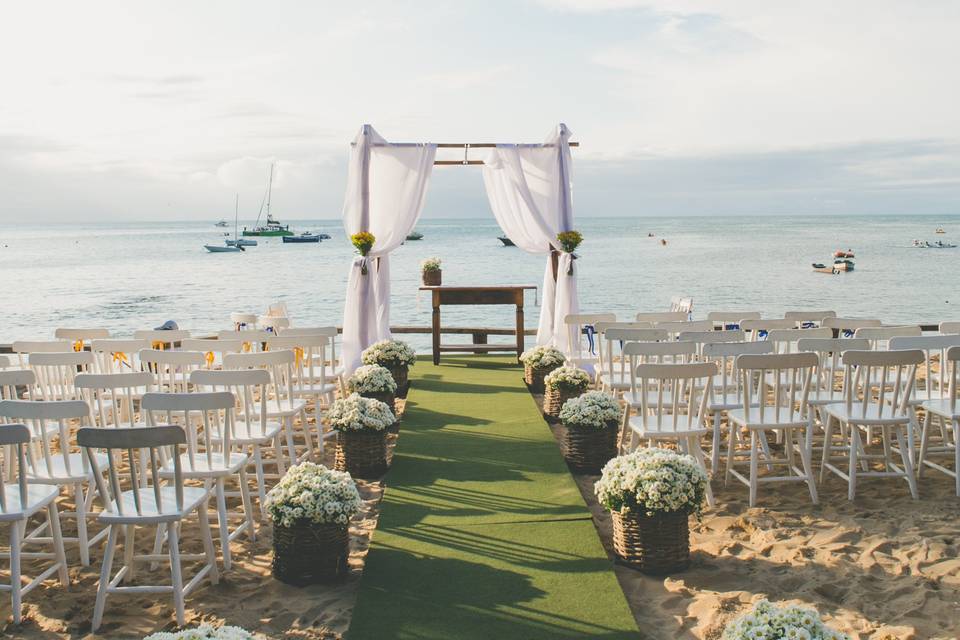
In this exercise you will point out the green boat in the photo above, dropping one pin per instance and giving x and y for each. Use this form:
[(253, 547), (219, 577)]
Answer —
[(272, 228)]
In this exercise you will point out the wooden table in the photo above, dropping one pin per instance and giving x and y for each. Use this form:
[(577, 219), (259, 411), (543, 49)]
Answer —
[(482, 295)]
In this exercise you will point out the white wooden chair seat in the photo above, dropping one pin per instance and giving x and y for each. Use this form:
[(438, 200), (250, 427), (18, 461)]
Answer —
[(725, 401), (314, 389), (617, 381), (150, 513), (942, 408), (289, 410), (200, 467), (38, 497), (856, 415), (752, 419), (635, 399), (57, 473), (256, 432), (663, 427)]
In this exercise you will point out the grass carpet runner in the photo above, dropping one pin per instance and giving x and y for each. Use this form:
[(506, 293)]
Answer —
[(482, 532)]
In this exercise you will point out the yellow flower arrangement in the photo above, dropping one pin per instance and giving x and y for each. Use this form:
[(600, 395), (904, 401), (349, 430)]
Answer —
[(363, 241), (569, 240)]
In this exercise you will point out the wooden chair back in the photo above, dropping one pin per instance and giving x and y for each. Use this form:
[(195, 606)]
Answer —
[(788, 374), (56, 373), (206, 419), (113, 397), (171, 369), (14, 439), (936, 373), (52, 424), (250, 390), (881, 379), (731, 319), (672, 396)]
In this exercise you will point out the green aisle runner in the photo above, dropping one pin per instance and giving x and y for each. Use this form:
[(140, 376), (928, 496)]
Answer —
[(482, 532)]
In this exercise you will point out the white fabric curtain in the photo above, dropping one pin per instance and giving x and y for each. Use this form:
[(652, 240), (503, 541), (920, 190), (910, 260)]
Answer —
[(386, 188), (529, 191)]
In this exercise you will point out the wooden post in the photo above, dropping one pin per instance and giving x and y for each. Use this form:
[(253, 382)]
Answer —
[(519, 302), (436, 326)]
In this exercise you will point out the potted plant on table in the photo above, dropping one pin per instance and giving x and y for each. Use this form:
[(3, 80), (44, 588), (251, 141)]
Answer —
[(361, 425), (560, 385), (537, 363), (591, 423), (769, 622), (311, 508), (394, 355), (374, 381), (431, 273), (651, 494)]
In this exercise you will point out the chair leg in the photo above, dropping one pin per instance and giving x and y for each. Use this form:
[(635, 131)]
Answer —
[(158, 542), (105, 572), (827, 445), (754, 466), (208, 550), (15, 548), (697, 451), (84, 541), (715, 445), (247, 505), (278, 454), (173, 539), (806, 453), (222, 522), (731, 443), (288, 430), (53, 517), (956, 455), (905, 456), (924, 443), (129, 535), (258, 470), (852, 468)]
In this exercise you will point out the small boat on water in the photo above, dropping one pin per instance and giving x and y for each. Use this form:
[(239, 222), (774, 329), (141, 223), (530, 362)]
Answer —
[(324, 236), (416, 235), (839, 265), (215, 248), (940, 230), (241, 242), (507, 242), (306, 236), (230, 246), (222, 223), (272, 228), (939, 244), (839, 253)]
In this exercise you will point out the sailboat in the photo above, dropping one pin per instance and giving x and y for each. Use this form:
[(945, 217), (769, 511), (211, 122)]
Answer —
[(227, 247), (272, 228)]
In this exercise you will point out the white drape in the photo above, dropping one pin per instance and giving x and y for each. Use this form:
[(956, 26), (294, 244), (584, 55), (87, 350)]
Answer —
[(386, 188), (529, 191)]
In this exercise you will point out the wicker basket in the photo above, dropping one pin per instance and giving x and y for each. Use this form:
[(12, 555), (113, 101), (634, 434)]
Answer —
[(553, 400), (401, 375), (658, 544), (587, 449), (310, 553), (432, 278), (534, 377), (362, 453)]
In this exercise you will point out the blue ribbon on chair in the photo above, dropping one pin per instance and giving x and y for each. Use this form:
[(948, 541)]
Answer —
[(809, 324), (847, 333), (590, 331), (731, 327), (762, 334)]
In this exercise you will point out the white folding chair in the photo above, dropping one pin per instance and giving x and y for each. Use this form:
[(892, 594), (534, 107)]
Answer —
[(58, 462), (672, 402), (614, 377), (207, 419), (759, 329), (12, 381), (949, 328), (56, 372), (947, 409), (581, 330), (682, 303), (727, 320), (808, 319), (23, 348), (773, 399), (141, 495), (160, 339), (662, 316), (213, 350), (118, 355), (880, 337), (726, 392), (172, 368), (114, 398), (19, 502), (251, 429), (877, 390)]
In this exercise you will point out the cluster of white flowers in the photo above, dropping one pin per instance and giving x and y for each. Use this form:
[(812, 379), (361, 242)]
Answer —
[(769, 622), (205, 632), (389, 353), (567, 379), (310, 492), (372, 378), (592, 410), (430, 264), (652, 481), (356, 413), (542, 358)]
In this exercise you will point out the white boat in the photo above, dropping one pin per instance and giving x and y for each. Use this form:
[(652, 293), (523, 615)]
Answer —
[(940, 230), (241, 242), (939, 244), (222, 223), (215, 248), (231, 246)]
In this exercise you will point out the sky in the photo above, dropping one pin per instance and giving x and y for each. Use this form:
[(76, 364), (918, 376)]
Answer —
[(165, 110)]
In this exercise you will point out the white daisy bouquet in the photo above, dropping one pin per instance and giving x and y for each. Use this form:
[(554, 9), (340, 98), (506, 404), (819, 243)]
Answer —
[(542, 357), (592, 410), (389, 353), (356, 413), (652, 481), (769, 622), (312, 493), (430, 264), (205, 632), (567, 379), (371, 378)]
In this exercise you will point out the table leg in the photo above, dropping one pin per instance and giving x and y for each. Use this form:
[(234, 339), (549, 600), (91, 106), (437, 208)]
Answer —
[(436, 333), (519, 329)]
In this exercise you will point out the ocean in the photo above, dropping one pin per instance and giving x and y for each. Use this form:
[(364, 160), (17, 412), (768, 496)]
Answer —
[(138, 275)]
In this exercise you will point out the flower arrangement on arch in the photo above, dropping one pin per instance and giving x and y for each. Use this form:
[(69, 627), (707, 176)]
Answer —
[(543, 357), (206, 632), (363, 242), (567, 379), (430, 264), (312, 493), (652, 481), (569, 240), (770, 622), (371, 378), (356, 413), (592, 410), (389, 353)]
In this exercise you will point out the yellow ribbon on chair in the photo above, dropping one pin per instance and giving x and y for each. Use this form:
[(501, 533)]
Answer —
[(246, 347), (298, 354), (157, 345), (209, 357), (78, 345), (119, 357)]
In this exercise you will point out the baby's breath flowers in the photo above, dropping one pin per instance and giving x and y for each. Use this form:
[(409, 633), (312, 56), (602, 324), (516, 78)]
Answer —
[(769, 622), (567, 379), (371, 378), (356, 413), (312, 493), (389, 353), (651, 481), (542, 357), (592, 410)]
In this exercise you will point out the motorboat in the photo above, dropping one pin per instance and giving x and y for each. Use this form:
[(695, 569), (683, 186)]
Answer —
[(222, 223), (839, 253), (215, 248), (940, 230), (507, 242), (306, 236), (415, 235)]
